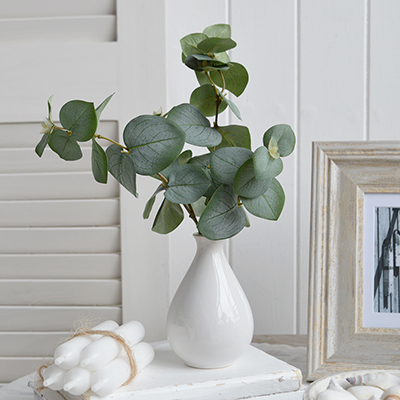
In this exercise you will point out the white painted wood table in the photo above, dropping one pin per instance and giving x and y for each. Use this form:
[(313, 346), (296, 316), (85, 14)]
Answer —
[(256, 375)]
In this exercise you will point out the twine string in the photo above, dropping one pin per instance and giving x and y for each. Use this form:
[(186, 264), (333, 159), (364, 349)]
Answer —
[(111, 334)]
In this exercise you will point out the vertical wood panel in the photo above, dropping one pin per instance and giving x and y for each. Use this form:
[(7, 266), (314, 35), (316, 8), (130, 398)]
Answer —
[(181, 81), (142, 91), (263, 256), (384, 70), (331, 99)]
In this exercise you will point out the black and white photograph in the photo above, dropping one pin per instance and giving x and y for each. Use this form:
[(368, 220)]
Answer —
[(387, 260), (381, 260)]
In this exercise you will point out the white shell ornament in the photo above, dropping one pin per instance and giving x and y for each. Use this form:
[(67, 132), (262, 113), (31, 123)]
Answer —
[(392, 393), (335, 392), (365, 392), (383, 380)]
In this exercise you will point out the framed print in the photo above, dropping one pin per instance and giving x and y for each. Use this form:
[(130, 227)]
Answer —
[(354, 291)]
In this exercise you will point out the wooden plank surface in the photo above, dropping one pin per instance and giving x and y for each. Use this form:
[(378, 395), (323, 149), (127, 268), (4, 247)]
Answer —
[(60, 240), (51, 8), (48, 186), (94, 28), (60, 266), (30, 344), (38, 79), (50, 292), (53, 319), (42, 213)]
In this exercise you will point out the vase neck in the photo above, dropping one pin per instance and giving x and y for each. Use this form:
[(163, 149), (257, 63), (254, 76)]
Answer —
[(202, 242)]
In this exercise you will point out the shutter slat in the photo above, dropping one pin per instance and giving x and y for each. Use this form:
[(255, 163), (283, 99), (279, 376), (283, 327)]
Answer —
[(13, 368), (16, 292), (100, 28), (59, 240), (27, 135), (30, 344), (91, 212), (14, 161), (60, 266), (53, 319), (55, 186), (52, 8)]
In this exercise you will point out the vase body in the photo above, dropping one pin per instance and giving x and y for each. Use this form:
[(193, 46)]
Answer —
[(209, 323)]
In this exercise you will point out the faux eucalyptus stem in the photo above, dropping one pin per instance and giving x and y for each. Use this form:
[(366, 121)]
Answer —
[(217, 187), (112, 141)]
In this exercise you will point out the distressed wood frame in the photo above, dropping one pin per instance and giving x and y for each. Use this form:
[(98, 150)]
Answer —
[(343, 172)]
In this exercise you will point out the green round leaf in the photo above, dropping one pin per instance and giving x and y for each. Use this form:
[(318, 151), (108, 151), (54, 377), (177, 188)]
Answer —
[(222, 218), (195, 125), (203, 162), (189, 43), (284, 136), (216, 45), (187, 183), (80, 118), (99, 163), (65, 146), (218, 30), (234, 136), (245, 183), (269, 205), (265, 166), (201, 62), (225, 162), (232, 106), (149, 205), (204, 98), (183, 158), (168, 218), (44, 141), (102, 106), (121, 168), (236, 78), (154, 143)]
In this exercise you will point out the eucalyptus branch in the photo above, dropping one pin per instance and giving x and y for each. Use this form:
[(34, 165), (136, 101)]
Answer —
[(212, 83), (112, 141), (163, 180), (218, 100), (223, 80), (191, 212)]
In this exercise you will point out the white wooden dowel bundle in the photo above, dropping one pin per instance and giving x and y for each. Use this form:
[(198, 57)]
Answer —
[(67, 355), (113, 375), (100, 362), (97, 354)]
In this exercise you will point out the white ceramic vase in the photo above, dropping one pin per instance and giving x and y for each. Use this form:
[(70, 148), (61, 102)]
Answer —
[(209, 323)]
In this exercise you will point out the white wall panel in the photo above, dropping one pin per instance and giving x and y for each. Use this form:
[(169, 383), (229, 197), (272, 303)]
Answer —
[(384, 70), (332, 89), (263, 256), (181, 81)]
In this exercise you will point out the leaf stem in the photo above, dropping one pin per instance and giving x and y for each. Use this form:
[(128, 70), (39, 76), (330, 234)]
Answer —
[(218, 101), (163, 180), (112, 141), (223, 80), (191, 212)]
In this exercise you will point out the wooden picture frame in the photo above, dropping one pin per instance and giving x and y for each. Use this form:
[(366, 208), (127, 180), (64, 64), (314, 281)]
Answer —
[(346, 177)]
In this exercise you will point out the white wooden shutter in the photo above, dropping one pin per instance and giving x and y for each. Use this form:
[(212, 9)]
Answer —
[(60, 244)]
